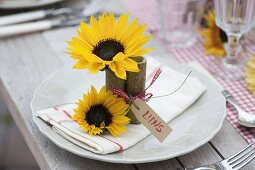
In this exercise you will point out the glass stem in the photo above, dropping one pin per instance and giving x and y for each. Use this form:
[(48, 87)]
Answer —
[(232, 58)]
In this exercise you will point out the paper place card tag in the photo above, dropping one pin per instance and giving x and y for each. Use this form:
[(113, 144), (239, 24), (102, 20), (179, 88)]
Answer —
[(151, 120)]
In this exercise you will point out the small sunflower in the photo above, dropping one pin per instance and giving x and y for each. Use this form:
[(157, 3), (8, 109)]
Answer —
[(97, 112), (214, 36), (250, 74), (109, 43)]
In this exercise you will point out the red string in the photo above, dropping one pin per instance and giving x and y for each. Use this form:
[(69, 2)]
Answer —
[(143, 96)]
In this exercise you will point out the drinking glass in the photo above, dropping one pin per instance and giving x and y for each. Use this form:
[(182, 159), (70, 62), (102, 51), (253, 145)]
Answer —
[(180, 20), (235, 17)]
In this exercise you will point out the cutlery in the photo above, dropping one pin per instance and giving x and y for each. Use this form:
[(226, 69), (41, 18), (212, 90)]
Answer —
[(36, 15), (244, 118), (10, 30), (234, 162), (18, 23), (38, 26)]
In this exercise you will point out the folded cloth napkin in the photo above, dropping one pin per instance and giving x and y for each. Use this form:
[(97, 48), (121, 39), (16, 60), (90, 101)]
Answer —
[(167, 107)]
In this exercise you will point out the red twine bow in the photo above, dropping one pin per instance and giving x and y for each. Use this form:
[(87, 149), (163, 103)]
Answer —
[(143, 96)]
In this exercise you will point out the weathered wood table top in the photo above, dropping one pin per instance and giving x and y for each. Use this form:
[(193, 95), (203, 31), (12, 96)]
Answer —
[(25, 60)]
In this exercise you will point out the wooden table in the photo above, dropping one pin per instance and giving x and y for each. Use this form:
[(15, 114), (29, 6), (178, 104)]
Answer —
[(26, 60)]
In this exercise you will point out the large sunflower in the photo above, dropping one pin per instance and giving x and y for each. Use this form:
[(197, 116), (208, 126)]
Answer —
[(214, 36), (97, 112), (109, 43), (250, 74)]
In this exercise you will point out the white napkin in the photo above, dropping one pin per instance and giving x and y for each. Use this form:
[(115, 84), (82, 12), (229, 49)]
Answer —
[(167, 107)]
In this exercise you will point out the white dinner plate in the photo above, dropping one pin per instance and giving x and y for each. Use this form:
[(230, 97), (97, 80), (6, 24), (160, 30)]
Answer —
[(16, 4), (194, 127)]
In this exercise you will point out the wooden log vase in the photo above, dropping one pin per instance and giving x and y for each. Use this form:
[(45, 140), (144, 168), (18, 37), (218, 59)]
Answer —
[(132, 86)]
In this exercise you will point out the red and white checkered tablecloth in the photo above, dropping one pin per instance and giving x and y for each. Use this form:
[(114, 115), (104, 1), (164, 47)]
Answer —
[(148, 12)]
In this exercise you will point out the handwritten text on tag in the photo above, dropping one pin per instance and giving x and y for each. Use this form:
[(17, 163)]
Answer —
[(150, 120)]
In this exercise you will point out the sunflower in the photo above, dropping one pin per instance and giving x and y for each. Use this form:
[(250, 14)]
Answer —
[(98, 112), (214, 36), (107, 43), (250, 74)]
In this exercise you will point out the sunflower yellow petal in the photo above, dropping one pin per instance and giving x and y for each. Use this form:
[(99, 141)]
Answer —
[(130, 65), (137, 46), (78, 116), (103, 90), (74, 55), (81, 64), (119, 70), (134, 36), (121, 120), (86, 34), (85, 126), (109, 100), (103, 25), (95, 67), (113, 132), (121, 26), (111, 25), (93, 58), (119, 128), (206, 32), (78, 47), (82, 43), (119, 57), (95, 27), (82, 106), (142, 52), (102, 94), (118, 109), (130, 30), (94, 95)]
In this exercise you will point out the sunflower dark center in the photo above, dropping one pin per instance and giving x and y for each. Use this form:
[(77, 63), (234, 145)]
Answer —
[(98, 114), (107, 49), (223, 36)]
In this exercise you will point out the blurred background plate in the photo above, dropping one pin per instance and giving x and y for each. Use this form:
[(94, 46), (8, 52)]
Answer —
[(18, 4)]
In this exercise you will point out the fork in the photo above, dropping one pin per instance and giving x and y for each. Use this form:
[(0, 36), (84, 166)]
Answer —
[(234, 162)]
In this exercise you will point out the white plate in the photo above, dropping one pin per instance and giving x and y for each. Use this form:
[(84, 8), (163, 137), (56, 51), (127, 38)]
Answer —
[(193, 128), (5, 4)]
